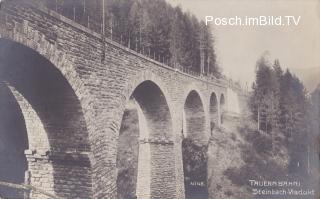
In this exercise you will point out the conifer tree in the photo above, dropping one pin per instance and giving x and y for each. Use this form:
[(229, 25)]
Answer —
[(151, 27)]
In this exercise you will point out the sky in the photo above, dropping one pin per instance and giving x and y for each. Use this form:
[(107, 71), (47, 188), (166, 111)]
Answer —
[(239, 47)]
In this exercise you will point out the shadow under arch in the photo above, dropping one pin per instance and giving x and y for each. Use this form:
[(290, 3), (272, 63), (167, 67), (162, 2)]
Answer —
[(194, 147), (194, 117), (12, 144), (214, 112), (59, 110), (147, 123), (222, 105)]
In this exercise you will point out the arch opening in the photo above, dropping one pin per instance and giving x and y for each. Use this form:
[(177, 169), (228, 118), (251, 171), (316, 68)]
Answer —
[(13, 143), (194, 148), (53, 121), (214, 113), (222, 108), (144, 141)]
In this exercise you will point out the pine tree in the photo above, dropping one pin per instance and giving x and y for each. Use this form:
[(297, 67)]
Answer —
[(135, 26), (261, 102), (210, 56), (195, 42), (176, 36)]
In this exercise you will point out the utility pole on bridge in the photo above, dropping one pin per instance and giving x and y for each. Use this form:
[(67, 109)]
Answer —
[(103, 31)]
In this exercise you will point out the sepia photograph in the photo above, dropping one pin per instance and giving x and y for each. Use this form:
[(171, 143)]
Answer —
[(159, 99)]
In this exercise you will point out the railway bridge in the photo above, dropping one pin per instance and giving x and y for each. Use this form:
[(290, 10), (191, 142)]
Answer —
[(71, 102)]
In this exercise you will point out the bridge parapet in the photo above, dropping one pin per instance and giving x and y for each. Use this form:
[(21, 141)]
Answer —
[(49, 8)]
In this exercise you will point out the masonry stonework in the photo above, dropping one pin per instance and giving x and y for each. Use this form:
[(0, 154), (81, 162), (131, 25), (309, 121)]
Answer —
[(81, 159)]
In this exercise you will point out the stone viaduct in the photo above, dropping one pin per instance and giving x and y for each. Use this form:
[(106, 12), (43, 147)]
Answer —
[(68, 90)]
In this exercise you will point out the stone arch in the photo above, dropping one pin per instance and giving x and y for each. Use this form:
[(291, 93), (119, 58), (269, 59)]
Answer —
[(133, 160), (214, 111), (194, 147), (194, 117), (193, 87), (154, 175), (44, 93), (222, 104), (24, 34), (190, 88), (37, 136), (12, 159), (143, 76)]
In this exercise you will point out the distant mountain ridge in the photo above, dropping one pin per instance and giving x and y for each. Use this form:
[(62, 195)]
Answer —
[(309, 76)]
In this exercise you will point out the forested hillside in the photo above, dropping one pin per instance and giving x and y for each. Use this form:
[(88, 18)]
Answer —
[(278, 140), (315, 98), (280, 104), (283, 108), (151, 27)]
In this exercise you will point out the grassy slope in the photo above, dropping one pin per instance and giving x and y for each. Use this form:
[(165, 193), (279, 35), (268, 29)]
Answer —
[(237, 153)]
